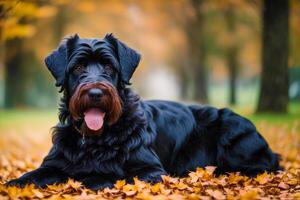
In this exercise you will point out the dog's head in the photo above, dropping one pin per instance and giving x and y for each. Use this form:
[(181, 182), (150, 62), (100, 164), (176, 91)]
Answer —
[(92, 73)]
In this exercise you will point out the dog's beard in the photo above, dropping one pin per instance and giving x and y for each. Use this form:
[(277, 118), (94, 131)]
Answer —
[(107, 110)]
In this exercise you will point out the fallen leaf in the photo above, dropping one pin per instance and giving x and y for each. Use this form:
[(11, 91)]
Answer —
[(283, 185), (119, 184)]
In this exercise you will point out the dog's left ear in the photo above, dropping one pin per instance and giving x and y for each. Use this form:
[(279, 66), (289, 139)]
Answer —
[(128, 58), (57, 63)]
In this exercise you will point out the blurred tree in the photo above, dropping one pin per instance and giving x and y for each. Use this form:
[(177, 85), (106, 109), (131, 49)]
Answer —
[(59, 23), (16, 73), (20, 59), (294, 40), (197, 52), (274, 82), (2, 14), (180, 52), (17, 26), (232, 53)]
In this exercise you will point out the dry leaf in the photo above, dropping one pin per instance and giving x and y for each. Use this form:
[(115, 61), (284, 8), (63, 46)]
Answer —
[(18, 157)]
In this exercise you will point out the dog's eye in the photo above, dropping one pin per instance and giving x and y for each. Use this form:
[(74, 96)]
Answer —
[(78, 69), (109, 69)]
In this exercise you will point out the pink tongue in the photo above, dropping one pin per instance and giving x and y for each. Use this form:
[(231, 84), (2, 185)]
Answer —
[(94, 118)]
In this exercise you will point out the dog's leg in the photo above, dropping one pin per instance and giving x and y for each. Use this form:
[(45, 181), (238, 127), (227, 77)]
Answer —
[(231, 142), (145, 165), (48, 173), (241, 148), (40, 177)]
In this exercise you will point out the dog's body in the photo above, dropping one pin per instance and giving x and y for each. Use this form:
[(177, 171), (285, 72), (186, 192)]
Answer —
[(107, 133)]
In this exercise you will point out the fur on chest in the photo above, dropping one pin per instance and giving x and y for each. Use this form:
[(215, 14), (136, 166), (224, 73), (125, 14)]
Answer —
[(108, 152)]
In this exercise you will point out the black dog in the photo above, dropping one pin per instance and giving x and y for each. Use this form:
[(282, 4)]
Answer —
[(107, 133)]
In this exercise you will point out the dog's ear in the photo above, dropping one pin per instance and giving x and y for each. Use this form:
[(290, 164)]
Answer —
[(57, 61), (128, 58)]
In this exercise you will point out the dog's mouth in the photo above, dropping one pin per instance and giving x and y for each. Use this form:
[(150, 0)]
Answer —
[(94, 118), (95, 114)]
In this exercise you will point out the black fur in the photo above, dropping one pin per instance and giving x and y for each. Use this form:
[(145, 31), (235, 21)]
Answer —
[(150, 139)]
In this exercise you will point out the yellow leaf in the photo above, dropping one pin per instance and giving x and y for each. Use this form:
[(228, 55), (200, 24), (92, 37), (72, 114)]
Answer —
[(262, 178), (119, 184), (38, 193), (144, 196), (46, 11), (210, 169), (130, 190), (155, 188), (194, 177), (110, 191), (234, 178), (13, 192), (181, 186), (251, 195), (193, 197), (283, 185), (55, 187), (297, 195), (216, 194), (168, 180), (139, 184), (86, 6), (293, 182)]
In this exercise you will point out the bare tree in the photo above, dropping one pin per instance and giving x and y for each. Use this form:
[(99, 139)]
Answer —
[(197, 52), (232, 55), (274, 83)]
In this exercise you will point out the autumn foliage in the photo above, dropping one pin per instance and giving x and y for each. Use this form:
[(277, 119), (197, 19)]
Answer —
[(22, 153)]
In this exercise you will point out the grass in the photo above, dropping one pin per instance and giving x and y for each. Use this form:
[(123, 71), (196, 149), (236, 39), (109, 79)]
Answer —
[(16, 116), (291, 119), (17, 119)]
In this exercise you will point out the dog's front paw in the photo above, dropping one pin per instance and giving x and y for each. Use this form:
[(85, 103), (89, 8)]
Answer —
[(99, 186), (152, 178), (19, 182), (96, 183)]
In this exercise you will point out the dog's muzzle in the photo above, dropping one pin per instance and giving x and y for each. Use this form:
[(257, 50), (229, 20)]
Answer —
[(96, 103)]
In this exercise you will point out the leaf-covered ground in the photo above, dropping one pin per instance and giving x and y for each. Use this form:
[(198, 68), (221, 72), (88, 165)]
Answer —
[(24, 144)]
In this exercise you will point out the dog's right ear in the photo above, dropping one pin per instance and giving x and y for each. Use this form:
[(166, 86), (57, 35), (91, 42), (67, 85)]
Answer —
[(57, 63)]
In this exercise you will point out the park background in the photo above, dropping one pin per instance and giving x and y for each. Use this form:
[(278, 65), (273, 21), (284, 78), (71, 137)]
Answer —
[(242, 54)]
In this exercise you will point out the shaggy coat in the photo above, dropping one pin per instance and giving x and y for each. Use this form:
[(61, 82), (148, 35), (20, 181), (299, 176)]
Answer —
[(144, 139)]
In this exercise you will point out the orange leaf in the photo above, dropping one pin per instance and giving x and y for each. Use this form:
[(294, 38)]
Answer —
[(216, 194), (155, 188), (249, 195), (119, 184), (283, 185), (262, 178)]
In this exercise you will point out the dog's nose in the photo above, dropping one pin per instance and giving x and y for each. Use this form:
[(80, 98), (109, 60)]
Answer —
[(95, 93)]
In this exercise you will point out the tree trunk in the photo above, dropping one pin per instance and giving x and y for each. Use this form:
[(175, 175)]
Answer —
[(2, 16), (15, 74), (233, 70), (59, 24), (200, 73), (184, 81), (274, 83), (195, 34), (232, 55)]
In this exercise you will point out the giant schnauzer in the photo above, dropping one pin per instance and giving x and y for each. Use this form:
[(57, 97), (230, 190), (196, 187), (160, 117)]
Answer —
[(106, 133)]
